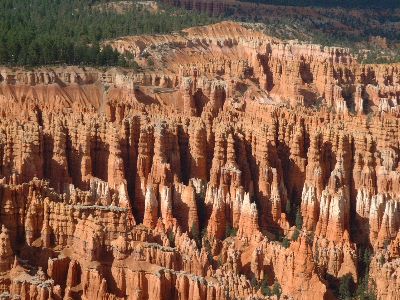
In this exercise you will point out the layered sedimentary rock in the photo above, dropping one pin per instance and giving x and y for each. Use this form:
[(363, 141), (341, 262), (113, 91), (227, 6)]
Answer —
[(240, 161)]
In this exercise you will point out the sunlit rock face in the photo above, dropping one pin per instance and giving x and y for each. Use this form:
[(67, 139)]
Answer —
[(239, 159)]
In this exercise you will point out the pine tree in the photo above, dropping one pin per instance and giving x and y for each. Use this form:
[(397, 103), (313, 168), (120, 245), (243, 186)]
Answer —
[(299, 219), (53, 32), (276, 289), (345, 287)]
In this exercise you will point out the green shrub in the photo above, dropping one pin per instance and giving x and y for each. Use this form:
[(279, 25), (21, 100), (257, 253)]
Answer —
[(296, 234), (150, 62), (171, 238), (265, 289), (299, 219), (346, 286), (285, 242), (230, 232), (276, 289)]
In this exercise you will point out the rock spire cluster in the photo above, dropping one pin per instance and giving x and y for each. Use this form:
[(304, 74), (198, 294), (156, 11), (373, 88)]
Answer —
[(240, 163)]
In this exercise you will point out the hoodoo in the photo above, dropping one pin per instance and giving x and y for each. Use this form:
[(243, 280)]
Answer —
[(238, 166)]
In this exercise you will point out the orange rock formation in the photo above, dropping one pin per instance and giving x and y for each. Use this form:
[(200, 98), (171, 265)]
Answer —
[(238, 160)]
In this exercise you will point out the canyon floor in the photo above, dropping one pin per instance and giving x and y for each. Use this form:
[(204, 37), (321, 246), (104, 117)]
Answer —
[(232, 165)]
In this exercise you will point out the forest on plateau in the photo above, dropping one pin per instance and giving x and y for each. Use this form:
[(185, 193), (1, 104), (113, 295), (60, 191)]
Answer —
[(50, 32), (333, 3), (370, 29)]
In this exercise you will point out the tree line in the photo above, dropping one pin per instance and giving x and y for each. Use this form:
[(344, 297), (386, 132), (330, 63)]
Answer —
[(46, 32), (333, 3)]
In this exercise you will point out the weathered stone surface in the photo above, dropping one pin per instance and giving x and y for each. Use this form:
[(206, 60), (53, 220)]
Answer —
[(240, 160)]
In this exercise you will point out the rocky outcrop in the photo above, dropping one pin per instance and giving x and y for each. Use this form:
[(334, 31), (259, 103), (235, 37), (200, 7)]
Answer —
[(243, 163)]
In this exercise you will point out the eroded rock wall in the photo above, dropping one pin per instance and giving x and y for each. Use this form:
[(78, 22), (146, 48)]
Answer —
[(204, 180)]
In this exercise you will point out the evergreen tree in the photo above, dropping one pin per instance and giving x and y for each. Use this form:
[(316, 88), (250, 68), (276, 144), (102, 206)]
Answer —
[(299, 219), (276, 289), (345, 287), (43, 32), (265, 289)]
